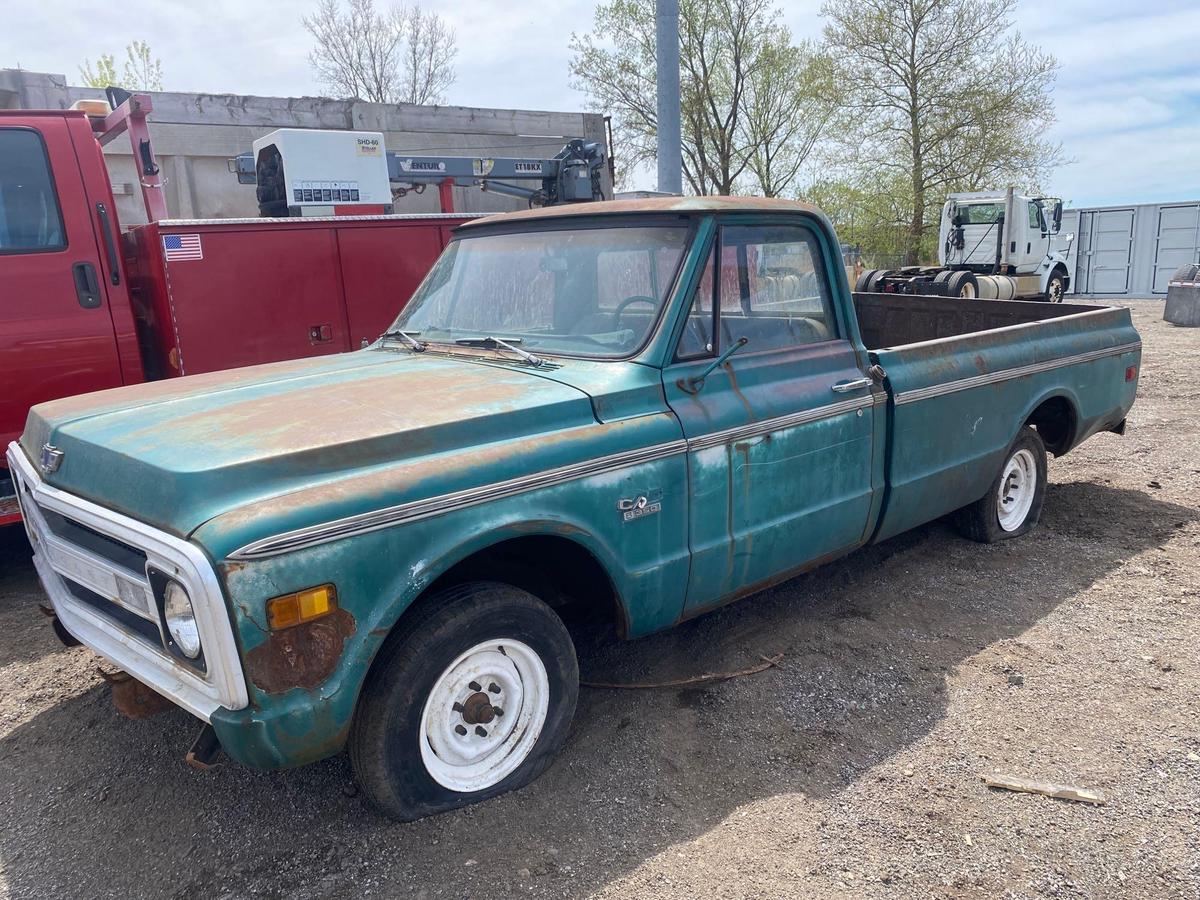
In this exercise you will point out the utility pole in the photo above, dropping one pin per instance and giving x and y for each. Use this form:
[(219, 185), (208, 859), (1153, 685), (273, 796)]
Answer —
[(670, 139)]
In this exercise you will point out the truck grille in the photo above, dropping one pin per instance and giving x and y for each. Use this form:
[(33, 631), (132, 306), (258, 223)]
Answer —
[(96, 566)]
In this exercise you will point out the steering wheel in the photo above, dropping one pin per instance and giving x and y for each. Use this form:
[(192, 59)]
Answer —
[(636, 298)]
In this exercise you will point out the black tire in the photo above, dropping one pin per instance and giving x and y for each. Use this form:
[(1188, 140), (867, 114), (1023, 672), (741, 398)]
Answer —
[(939, 282), (981, 521), (1056, 288), (873, 282), (385, 740), (962, 284), (860, 286)]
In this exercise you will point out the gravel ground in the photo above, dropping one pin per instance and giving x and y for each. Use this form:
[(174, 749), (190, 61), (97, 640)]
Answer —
[(852, 770)]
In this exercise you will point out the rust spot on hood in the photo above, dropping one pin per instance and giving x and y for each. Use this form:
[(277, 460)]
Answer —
[(302, 656)]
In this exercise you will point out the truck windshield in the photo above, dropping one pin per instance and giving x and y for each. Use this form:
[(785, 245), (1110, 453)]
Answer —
[(593, 292)]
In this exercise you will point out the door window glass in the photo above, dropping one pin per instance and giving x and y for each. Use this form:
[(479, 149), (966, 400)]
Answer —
[(30, 219), (697, 339), (781, 291), (1035, 217)]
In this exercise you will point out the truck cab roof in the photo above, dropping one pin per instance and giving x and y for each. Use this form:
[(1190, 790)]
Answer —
[(671, 205)]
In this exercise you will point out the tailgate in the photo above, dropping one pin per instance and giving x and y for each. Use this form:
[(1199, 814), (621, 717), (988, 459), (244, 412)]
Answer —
[(957, 403)]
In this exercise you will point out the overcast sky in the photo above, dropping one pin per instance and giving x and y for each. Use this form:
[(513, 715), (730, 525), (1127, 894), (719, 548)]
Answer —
[(1128, 94)]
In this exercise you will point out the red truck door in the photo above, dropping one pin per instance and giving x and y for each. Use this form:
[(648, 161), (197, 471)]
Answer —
[(56, 330)]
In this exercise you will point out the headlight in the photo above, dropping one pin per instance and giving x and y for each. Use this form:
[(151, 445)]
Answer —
[(181, 620)]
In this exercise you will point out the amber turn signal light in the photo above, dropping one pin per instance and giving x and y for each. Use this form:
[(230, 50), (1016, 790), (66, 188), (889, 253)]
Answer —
[(302, 606)]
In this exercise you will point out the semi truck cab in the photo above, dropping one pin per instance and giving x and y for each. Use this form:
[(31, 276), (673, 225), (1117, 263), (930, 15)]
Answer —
[(992, 245), (982, 232)]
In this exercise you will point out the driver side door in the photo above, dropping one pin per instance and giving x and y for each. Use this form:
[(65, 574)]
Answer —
[(781, 438)]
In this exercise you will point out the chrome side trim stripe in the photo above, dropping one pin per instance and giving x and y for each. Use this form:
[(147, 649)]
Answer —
[(964, 384), (435, 506), (758, 429)]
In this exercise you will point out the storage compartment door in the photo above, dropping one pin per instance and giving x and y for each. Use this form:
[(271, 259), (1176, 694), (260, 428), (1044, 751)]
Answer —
[(238, 298), (1178, 239), (381, 267)]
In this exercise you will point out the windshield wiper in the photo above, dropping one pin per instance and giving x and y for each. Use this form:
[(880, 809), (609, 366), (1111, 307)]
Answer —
[(408, 338), (491, 343)]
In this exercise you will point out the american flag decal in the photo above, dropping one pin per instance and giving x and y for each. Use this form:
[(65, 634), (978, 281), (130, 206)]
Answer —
[(182, 246)]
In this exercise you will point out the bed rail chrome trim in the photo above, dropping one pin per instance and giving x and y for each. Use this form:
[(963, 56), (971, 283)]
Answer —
[(964, 384), (200, 693), (416, 510), (758, 429)]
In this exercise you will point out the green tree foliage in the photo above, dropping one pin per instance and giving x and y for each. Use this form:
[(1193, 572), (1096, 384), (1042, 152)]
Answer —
[(141, 71), (753, 102), (946, 96)]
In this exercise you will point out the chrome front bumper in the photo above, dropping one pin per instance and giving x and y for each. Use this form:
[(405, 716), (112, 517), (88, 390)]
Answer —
[(95, 565)]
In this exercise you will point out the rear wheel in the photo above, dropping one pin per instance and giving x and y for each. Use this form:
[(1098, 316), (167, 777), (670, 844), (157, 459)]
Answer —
[(963, 284), (472, 698), (860, 286), (1013, 504)]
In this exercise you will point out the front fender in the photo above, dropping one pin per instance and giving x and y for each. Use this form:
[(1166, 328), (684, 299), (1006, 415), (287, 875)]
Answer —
[(304, 687)]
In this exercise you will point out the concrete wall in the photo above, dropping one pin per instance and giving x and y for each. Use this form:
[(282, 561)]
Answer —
[(194, 135)]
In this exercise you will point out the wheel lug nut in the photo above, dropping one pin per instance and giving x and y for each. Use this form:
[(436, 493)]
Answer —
[(460, 729), (494, 688), (481, 731), (498, 711), (458, 708), (474, 685)]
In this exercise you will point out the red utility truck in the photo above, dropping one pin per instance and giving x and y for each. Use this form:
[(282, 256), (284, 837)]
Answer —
[(84, 306)]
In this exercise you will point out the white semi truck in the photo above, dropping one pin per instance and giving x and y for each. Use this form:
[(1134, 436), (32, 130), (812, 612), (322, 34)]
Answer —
[(992, 245)]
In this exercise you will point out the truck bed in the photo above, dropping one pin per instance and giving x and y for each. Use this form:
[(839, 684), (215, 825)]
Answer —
[(895, 320), (959, 374)]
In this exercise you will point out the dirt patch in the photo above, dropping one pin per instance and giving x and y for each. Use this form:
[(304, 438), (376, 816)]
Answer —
[(852, 770)]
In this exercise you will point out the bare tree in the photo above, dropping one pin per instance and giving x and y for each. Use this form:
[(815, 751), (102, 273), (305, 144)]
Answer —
[(399, 55), (947, 96), (427, 71), (744, 90)]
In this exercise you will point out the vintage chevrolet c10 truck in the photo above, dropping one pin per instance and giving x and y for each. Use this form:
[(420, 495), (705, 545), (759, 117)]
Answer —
[(634, 410)]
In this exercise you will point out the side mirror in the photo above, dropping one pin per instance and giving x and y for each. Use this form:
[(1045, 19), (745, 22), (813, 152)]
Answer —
[(1056, 215)]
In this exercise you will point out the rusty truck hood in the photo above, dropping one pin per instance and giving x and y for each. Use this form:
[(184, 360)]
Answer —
[(175, 453)]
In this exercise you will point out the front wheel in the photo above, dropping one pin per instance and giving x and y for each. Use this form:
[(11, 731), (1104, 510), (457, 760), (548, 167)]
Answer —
[(472, 697), (1056, 288), (1013, 504)]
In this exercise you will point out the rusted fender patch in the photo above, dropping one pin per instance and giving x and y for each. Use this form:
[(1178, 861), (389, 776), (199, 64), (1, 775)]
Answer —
[(302, 656)]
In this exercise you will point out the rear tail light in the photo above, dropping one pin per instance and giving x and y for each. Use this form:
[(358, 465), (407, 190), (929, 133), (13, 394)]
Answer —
[(1130, 373)]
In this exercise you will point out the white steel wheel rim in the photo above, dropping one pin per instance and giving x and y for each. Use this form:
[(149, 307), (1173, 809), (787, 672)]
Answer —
[(1018, 484), (967, 290), (513, 680), (1056, 290)]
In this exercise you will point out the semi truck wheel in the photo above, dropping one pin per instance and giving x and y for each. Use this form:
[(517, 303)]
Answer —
[(471, 697), (1013, 504), (963, 284), (862, 286), (1056, 288)]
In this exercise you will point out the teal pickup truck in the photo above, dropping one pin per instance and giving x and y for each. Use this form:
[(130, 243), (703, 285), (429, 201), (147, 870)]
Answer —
[(633, 411)]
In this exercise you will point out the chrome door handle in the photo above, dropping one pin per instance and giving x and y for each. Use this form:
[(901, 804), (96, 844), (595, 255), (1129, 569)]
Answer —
[(845, 387)]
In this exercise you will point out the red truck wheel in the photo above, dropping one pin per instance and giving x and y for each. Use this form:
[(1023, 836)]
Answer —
[(1013, 504), (472, 697)]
